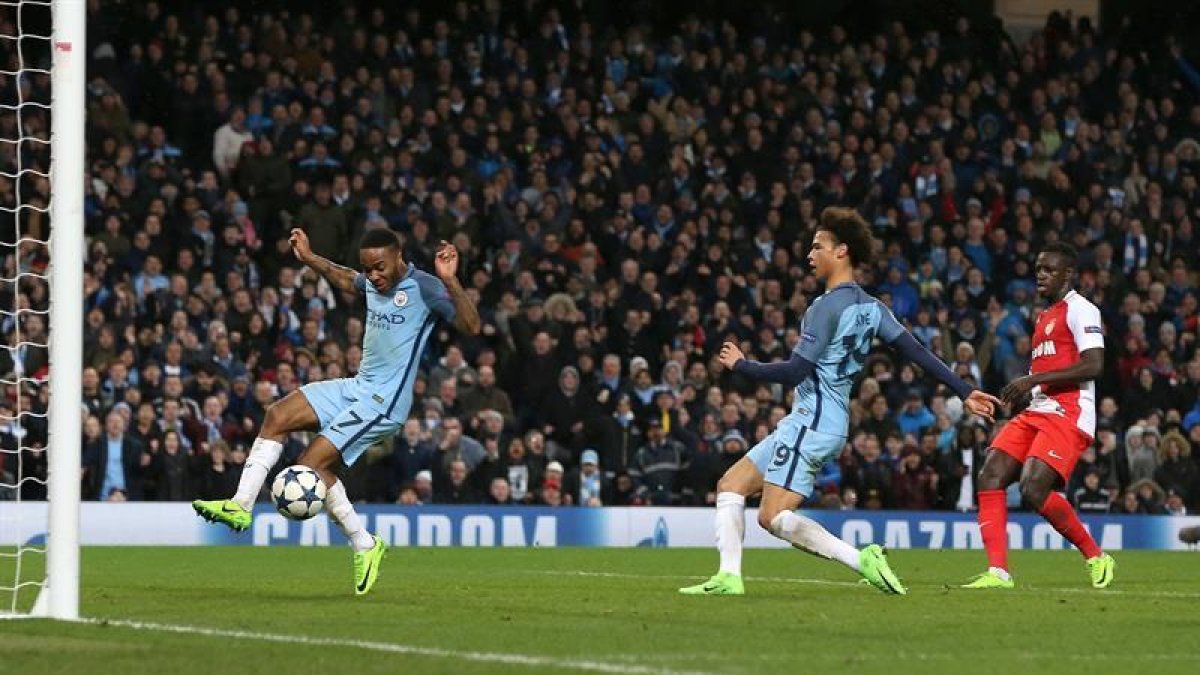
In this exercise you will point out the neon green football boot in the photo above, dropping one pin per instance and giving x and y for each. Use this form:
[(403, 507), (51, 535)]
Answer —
[(989, 579), (873, 565), (224, 511), (721, 583), (366, 566), (1101, 569)]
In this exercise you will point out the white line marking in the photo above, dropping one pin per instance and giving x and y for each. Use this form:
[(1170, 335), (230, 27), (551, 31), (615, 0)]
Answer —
[(620, 575), (829, 582), (528, 660)]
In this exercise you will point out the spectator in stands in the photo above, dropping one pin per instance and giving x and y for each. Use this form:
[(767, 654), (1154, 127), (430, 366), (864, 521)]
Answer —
[(451, 485), (172, 468), (915, 483), (659, 464), (1176, 471), (114, 463), (422, 486), (218, 473), (1090, 497), (412, 453), (586, 485), (598, 225), (1143, 460), (486, 395), (915, 417), (499, 492)]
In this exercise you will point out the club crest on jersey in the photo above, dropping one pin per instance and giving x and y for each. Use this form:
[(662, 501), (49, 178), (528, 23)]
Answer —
[(401, 299), (1050, 327)]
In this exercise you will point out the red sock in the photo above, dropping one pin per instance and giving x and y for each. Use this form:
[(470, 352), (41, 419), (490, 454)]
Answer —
[(1058, 512), (993, 525)]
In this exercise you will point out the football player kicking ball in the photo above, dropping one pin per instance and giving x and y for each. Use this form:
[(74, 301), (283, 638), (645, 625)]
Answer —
[(1040, 446), (352, 414), (836, 336)]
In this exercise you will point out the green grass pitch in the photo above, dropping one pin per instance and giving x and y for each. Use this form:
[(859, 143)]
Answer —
[(226, 611)]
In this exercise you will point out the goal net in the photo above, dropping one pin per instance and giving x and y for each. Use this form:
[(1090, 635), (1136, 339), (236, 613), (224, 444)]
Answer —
[(42, 61)]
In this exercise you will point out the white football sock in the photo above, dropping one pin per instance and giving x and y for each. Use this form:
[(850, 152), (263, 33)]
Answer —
[(731, 528), (808, 535), (263, 455), (342, 511)]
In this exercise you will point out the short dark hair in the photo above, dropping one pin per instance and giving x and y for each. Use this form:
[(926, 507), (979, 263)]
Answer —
[(379, 238), (848, 227), (1064, 250)]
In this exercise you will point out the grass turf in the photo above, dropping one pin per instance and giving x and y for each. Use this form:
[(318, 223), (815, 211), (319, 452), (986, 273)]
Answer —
[(581, 609)]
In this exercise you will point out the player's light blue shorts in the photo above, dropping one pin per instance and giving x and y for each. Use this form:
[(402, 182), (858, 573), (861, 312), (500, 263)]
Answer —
[(791, 456), (352, 425)]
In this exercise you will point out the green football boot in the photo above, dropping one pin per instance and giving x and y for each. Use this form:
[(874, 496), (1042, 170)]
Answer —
[(366, 566), (224, 511), (989, 579), (722, 583), (873, 565), (1101, 569)]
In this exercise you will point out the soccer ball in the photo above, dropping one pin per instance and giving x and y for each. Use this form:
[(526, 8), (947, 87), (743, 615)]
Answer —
[(298, 492)]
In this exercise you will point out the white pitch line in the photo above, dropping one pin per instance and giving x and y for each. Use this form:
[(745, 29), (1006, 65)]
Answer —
[(527, 660), (621, 575), (829, 582)]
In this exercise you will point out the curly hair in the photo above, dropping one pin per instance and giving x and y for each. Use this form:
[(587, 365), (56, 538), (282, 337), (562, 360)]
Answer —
[(1063, 250), (379, 238), (847, 227)]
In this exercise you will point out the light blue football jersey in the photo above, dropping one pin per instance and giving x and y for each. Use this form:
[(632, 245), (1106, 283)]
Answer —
[(398, 326), (836, 334)]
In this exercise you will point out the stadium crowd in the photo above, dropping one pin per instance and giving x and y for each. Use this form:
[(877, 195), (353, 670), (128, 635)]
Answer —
[(624, 201)]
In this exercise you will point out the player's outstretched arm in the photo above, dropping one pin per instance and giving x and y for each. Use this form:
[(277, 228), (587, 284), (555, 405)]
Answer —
[(977, 401), (789, 373), (1089, 367), (466, 315), (341, 278)]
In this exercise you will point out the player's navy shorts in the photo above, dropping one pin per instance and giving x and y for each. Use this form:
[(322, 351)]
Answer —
[(791, 456), (1052, 439), (351, 424)]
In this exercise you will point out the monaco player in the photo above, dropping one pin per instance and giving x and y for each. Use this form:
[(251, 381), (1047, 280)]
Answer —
[(1041, 445)]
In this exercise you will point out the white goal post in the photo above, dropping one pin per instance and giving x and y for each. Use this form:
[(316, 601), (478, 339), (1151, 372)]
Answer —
[(60, 596), (57, 49)]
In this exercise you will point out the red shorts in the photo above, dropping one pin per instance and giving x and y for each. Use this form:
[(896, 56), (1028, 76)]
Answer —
[(1053, 440)]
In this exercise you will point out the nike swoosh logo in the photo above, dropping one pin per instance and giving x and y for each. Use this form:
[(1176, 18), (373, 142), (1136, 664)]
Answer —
[(366, 577), (226, 509), (1054, 455)]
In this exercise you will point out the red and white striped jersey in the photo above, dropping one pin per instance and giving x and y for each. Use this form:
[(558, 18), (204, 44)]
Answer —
[(1063, 331)]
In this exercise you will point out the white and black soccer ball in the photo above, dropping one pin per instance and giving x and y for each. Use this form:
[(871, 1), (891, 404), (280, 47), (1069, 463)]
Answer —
[(298, 492)]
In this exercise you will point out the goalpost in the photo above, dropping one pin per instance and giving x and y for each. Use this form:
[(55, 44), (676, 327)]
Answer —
[(62, 54)]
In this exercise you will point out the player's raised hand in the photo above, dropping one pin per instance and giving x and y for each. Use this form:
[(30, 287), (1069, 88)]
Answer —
[(300, 246), (446, 260), (982, 404), (730, 355)]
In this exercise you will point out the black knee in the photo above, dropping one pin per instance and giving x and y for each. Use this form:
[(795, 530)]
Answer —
[(1034, 494), (991, 480), (995, 475)]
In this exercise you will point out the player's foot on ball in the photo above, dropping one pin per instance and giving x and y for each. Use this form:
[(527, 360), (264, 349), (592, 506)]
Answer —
[(366, 566), (722, 583), (873, 565), (989, 579), (1101, 569), (224, 511)]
